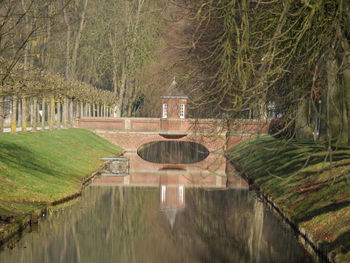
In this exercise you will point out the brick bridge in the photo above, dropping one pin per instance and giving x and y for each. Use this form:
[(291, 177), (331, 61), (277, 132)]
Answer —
[(132, 133)]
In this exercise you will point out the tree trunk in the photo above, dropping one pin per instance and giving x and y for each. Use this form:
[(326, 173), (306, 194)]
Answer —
[(31, 112), (58, 120), (114, 73), (77, 40), (334, 102), (346, 87), (19, 112), (347, 98), (35, 114), (119, 105), (85, 110), (48, 114), (65, 112), (81, 110), (71, 117), (131, 97), (27, 32), (24, 114), (89, 110), (13, 114), (47, 59), (302, 122), (43, 114), (68, 33), (2, 114), (52, 113), (262, 110)]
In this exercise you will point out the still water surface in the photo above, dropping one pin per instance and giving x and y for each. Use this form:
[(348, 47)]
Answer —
[(161, 214)]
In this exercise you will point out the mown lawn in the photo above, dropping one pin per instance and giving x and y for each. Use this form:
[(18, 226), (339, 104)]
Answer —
[(304, 183), (41, 167)]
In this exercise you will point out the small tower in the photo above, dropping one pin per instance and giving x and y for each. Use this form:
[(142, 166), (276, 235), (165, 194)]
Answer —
[(174, 103)]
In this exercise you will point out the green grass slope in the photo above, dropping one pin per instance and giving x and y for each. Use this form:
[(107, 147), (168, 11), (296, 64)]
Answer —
[(41, 167), (314, 192)]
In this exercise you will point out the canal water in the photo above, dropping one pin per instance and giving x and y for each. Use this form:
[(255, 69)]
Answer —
[(169, 212)]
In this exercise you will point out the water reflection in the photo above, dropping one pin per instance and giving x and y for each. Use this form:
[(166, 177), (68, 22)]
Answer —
[(161, 215)]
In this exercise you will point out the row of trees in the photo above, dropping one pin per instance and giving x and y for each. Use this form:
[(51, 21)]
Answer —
[(36, 96), (104, 43), (245, 55)]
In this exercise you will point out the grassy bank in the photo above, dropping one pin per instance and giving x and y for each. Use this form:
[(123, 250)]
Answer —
[(37, 168), (314, 192)]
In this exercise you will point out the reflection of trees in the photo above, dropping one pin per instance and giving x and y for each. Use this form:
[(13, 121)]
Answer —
[(255, 237), (104, 221), (116, 224), (233, 226)]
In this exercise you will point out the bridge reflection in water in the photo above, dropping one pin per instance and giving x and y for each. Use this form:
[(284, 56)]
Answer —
[(173, 179), (210, 172)]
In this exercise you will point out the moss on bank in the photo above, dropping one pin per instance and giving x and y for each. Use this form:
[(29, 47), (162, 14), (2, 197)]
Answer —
[(314, 192), (43, 167)]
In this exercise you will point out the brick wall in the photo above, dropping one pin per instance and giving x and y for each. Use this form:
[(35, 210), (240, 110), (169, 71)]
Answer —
[(102, 124), (145, 124)]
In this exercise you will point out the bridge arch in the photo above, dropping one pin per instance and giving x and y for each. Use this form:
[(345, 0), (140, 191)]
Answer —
[(173, 152), (133, 141)]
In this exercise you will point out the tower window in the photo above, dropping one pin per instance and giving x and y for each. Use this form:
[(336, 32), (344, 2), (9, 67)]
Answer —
[(182, 111), (165, 110)]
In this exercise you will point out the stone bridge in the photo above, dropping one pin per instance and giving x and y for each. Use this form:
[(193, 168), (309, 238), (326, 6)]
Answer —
[(132, 133)]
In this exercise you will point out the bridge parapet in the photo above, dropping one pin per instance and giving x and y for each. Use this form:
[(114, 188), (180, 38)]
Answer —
[(159, 124), (131, 133)]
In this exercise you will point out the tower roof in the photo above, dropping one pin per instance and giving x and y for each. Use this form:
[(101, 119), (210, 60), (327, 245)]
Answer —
[(170, 213), (173, 91)]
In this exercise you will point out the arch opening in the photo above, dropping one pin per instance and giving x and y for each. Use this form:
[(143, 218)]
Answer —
[(173, 152)]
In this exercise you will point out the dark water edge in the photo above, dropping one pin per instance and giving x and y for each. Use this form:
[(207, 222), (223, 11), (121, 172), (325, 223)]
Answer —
[(129, 224)]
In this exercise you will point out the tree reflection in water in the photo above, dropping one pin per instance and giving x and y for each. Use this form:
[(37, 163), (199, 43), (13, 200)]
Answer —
[(126, 224), (162, 214)]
